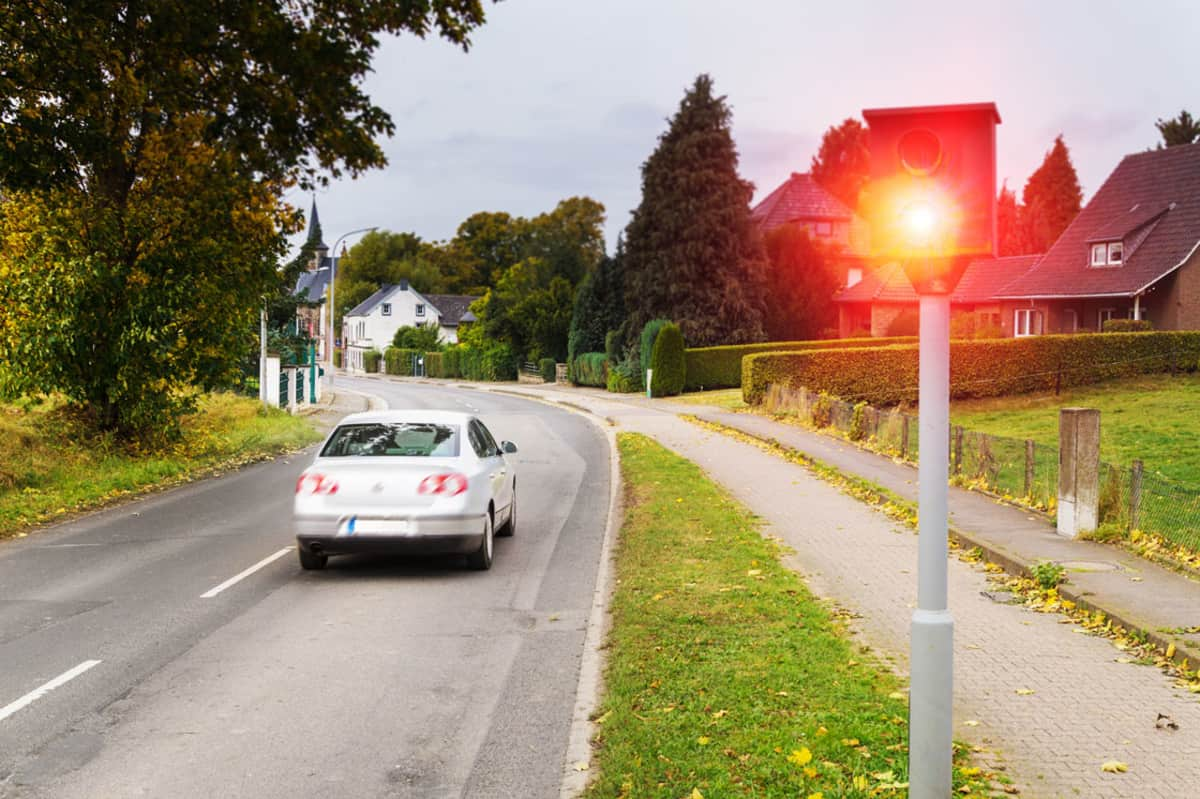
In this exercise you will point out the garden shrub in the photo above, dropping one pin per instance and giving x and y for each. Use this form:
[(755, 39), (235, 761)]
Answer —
[(371, 359), (590, 369), (621, 383), (858, 422), (1127, 325), (451, 359), (822, 410), (547, 366), (721, 367), (433, 364), (398, 361), (667, 361), (493, 361), (614, 343), (649, 334), (981, 368), (337, 359)]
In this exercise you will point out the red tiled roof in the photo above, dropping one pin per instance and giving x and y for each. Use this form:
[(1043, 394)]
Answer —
[(798, 197), (1152, 202), (979, 283)]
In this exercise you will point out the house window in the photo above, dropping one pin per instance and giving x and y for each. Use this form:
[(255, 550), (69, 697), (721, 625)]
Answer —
[(853, 276), (420, 309), (1027, 322), (824, 229), (1108, 253), (1104, 316), (387, 309)]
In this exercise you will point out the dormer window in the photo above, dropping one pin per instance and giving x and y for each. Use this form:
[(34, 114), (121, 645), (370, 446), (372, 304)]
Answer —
[(1108, 253)]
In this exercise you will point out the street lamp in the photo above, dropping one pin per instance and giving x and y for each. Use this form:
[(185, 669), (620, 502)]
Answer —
[(931, 202), (330, 340)]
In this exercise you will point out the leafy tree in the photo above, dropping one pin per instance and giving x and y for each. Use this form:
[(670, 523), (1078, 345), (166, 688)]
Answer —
[(692, 252), (1011, 229), (599, 306), (1182, 129), (842, 165), (1052, 198), (383, 257), (423, 338), (142, 174), (803, 280), (487, 243)]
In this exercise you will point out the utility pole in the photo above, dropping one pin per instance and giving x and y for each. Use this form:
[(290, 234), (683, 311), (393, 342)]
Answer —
[(332, 308)]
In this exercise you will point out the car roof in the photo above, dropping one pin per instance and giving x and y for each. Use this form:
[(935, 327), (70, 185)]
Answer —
[(417, 415)]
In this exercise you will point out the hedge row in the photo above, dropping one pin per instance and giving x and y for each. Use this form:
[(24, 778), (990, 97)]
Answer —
[(397, 361), (983, 368), (721, 367), (548, 368), (590, 369)]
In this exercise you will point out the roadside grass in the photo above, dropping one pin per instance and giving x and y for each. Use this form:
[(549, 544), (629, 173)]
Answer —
[(725, 676), (1151, 417), (728, 398), (51, 467)]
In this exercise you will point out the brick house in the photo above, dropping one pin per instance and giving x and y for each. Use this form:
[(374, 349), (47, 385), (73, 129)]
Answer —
[(802, 202), (1131, 253), (313, 285)]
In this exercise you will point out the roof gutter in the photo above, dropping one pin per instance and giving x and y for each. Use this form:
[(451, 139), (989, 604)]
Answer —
[(1066, 296), (1186, 258)]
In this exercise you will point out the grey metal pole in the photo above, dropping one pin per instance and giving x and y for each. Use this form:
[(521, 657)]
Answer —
[(931, 694), (262, 356), (332, 308)]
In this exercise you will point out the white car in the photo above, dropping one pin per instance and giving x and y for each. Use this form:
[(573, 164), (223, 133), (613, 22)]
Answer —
[(406, 481)]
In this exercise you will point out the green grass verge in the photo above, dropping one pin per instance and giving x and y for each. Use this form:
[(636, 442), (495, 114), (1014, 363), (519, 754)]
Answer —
[(51, 467), (725, 676), (728, 398), (1151, 417)]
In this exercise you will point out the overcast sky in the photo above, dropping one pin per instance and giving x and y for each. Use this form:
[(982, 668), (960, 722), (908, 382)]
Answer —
[(567, 97)]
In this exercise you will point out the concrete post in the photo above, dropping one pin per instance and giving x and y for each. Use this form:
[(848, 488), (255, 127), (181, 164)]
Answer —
[(1078, 470), (272, 382), (931, 694)]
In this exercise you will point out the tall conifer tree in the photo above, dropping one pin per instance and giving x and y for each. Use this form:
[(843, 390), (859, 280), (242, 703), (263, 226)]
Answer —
[(1052, 198), (692, 253)]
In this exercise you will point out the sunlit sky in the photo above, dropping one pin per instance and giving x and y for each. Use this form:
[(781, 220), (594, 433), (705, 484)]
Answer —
[(564, 97)]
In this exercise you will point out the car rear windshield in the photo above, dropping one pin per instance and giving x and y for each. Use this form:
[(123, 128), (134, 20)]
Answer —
[(401, 439)]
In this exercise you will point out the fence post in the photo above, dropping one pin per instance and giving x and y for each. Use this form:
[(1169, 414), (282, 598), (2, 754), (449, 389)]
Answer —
[(804, 414), (903, 436), (958, 441), (1078, 470), (1030, 460), (1135, 494)]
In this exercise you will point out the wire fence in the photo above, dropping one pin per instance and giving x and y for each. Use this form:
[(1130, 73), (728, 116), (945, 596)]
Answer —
[(1022, 471)]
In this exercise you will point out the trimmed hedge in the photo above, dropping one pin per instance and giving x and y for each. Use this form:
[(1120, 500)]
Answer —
[(547, 367), (493, 362), (371, 359), (667, 362), (433, 365), (397, 361), (451, 362), (337, 359), (590, 369), (1126, 325), (984, 368), (646, 347), (721, 367)]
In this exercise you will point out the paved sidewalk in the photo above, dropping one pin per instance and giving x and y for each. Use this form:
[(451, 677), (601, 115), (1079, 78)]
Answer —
[(1085, 707)]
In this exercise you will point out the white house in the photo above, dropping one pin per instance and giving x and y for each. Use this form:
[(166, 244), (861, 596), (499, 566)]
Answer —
[(372, 324)]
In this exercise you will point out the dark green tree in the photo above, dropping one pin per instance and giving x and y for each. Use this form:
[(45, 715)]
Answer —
[(599, 306), (1182, 129), (1012, 235), (803, 280), (150, 143), (691, 250), (423, 338), (842, 165), (1051, 199)]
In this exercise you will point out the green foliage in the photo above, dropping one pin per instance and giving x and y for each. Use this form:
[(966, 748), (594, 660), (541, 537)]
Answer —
[(371, 359), (646, 342), (548, 368), (1048, 574), (434, 365), (619, 382), (399, 361), (1012, 234), (858, 422), (907, 323), (422, 337), (667, 361), (590, 369), (803, 279), (984, 368), (1183, 129), (451, 362), (721, 367), (599, 306), (1052, 198), (490, 361), (843, 163), (337, 359), (691, 249), (1127, 325), (822, 412)]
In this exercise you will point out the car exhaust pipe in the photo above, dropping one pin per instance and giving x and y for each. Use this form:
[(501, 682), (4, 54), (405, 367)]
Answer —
[(314, 548)]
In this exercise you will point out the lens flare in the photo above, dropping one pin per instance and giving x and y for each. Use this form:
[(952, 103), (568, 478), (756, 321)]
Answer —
[(920, 223)]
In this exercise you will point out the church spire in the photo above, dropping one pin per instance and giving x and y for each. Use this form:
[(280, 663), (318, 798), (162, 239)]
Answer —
[(315, 236)]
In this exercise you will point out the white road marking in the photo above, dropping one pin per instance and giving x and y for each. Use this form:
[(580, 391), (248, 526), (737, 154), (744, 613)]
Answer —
[(237, 578), (38, 693)]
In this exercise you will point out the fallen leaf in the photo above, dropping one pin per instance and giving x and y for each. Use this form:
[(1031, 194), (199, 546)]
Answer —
[(810, 772), (971, 723), (1114, 767), (1025, 692), (860, 782), (895, 695), (849, 742), (822, 731), (1171, 650), (696, 794)]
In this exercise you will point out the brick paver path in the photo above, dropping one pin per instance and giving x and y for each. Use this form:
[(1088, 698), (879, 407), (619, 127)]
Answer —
[(1085, 709)]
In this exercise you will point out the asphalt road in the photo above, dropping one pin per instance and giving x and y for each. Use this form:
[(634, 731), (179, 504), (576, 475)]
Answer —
[(375, 677)]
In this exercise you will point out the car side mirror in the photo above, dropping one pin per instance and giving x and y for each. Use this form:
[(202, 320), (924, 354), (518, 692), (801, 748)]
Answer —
[(508, 447)]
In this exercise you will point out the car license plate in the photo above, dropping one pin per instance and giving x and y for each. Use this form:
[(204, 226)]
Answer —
[(367, 527)]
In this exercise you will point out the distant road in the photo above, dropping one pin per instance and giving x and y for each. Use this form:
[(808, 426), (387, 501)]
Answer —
[(173, 648)]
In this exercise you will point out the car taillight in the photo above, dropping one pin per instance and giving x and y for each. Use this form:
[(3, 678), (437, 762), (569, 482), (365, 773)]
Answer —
[(314, 483), (448, 485)]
